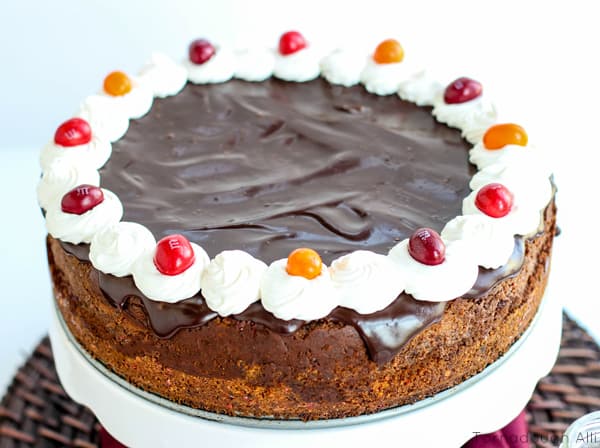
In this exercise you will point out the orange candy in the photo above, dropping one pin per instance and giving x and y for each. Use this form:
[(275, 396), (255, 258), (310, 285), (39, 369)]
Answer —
[(388, 51), (500, 135), (304, 263), (117, 84)]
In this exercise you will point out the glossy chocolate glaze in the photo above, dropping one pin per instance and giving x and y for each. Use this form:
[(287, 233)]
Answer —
[(487, 278), (385, 332), (80, 251), (164, 318), (272, 166), (269, 167)]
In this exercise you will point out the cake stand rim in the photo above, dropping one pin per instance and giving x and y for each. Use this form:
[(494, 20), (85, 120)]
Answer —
[(72, 360)]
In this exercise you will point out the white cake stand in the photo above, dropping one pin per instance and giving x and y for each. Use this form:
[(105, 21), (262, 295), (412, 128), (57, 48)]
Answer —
[(483, 404)]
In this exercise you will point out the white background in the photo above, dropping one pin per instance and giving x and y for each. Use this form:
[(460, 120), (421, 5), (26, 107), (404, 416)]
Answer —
[(537, 59)]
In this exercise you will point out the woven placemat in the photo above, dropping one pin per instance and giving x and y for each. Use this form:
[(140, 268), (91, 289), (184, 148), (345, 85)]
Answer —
[(36, 411)]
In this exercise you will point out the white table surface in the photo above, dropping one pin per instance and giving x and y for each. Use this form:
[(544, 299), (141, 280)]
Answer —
[(539, 57)]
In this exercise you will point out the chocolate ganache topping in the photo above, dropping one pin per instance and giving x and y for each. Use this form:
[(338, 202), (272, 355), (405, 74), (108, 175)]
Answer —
[(269, 167)]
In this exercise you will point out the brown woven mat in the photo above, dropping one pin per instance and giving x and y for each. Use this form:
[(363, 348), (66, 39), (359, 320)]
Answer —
[(571, 390), (36, 412)]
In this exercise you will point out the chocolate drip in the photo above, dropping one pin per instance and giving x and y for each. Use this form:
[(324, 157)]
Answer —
[(385, 332), (165, 319), (487, 278), (79, 251), (257, 314)]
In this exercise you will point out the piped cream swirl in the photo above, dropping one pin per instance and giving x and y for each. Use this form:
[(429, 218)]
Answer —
[(254, 64), (78, 229), (511, 155), (366, 281), (440, 283), (472, 117), (420, 89), (343, 67), (163, 76), (93, 154), (385, 79), (108, 121), (219, 68), (137, 102), (487, 244), (293, 297), (523, 219), (169, 288), (300, 66), (115, 249), (62, 175), (231, 282)]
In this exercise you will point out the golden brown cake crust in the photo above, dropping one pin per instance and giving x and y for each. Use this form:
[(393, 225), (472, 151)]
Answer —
[(321, 371)]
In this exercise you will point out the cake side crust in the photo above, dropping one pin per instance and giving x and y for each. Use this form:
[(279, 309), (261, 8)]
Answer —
[(321, 371)]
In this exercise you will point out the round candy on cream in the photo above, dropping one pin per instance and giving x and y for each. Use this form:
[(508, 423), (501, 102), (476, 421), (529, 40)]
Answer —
[(472, 117), (524, 181), (463, 105), (487, 244), (137, 102), (385, 79), (254, 64), (366, 282), (295, 297), (169, 288), (448, 280), (522, 219), (231, 282), (63, 174), (385, 68), (77, 229), (219, 68), (115, 249), (108, 120), (163, 76)]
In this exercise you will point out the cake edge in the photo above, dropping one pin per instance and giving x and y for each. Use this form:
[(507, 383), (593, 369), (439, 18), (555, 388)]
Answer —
[(321, 371)]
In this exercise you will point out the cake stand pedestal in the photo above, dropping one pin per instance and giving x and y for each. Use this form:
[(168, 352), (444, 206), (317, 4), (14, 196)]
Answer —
[(482, 404)]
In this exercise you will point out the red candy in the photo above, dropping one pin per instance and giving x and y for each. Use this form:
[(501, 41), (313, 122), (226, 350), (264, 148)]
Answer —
[(291, 42), (494, 200), (426, 246), (73, 132), (174, 255), (81, 199), (462, 90), (200, 51)]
